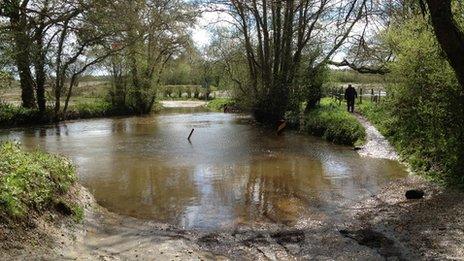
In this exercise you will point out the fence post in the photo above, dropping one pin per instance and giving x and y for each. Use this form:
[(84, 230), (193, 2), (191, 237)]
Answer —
[(341, 96), (380, 93), (372, 95), (360, 95)]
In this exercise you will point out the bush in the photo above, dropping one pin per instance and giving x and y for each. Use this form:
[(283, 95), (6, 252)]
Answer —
[(219, 104), (11, 115), (95, 108), (379, 115), (423, 114), (334, 123), (31, 181), (179, 91)]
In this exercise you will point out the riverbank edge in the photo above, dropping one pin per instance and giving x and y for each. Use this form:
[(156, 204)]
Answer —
[(398, 226), (423, 225), (32, 118), (74, 115)]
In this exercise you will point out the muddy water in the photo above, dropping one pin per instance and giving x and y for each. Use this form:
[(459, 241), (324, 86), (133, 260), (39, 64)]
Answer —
[(230, 173)]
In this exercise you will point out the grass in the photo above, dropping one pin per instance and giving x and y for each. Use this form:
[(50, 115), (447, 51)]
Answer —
[(332, 122), (13, 115), (420, 154), (377, 115), (91, 109), (219, 104), (33, 181)]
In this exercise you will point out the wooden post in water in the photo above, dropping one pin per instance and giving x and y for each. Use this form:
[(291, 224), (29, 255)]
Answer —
[(372, 95), (281, 127), (190, 134)]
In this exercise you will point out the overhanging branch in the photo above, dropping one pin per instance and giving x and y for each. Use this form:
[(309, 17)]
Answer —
[(361, 69)]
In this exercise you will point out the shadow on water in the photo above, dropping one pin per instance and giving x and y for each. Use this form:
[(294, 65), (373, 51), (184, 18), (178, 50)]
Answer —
[(231, 173)]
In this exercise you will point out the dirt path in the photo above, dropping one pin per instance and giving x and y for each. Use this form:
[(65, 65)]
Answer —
[(376, 145)]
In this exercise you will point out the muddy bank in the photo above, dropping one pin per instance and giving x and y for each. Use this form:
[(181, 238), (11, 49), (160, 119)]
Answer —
[(381, 226), (40, 236), (429, 228)]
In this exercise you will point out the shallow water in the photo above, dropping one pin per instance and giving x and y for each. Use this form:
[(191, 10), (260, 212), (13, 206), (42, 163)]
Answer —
[(230, 173)]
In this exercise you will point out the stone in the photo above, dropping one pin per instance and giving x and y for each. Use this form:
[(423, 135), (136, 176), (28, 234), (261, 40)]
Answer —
[(63, 208), (414, 194)]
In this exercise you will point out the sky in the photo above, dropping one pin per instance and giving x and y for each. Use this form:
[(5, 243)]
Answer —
[(201, 33), (201, 36)]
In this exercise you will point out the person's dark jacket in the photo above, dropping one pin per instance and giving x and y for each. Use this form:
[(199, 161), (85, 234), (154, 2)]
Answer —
[(351, 94)]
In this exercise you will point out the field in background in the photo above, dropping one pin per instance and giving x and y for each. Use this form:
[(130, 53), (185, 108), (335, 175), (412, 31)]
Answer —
[(91, 90), (97, 88)]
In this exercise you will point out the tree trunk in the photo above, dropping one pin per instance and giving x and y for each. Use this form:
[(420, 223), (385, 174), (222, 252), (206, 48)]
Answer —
[(451, 40), (22, 59), (40, 73), (448, 34), (73, 82)]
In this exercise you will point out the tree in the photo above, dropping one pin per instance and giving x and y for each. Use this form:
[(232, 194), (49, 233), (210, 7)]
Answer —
[(154, 31), (448, 33), (16, 12), (79, 41), (231, 65), (276, 35)]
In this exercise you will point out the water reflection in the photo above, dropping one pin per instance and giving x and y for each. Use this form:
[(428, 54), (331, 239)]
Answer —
[(231, 173)]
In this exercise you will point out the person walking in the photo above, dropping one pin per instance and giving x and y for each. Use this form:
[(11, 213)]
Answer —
[(350, 97)]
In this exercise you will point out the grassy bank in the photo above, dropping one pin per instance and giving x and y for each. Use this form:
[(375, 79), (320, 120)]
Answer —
[(34, 182), (428, 150), (332, 122), (220, 104), (378, 115), (12, 115)]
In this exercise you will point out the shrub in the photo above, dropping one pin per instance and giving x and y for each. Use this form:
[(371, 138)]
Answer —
[(95, 108), (423, 114), (30, 181), (219, 104), (11, 115), (334, 123), (379, 115)]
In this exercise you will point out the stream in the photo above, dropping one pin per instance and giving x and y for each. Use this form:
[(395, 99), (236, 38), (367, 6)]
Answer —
[(232, 172)]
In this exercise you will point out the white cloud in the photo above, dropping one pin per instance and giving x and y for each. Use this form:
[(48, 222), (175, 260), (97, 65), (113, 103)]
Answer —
[(201, 32)]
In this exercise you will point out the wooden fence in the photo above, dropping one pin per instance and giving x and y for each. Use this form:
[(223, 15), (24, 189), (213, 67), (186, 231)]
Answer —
[(363, 94)]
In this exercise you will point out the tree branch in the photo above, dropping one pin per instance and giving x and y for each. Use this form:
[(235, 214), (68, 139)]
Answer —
[(361, 69)]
